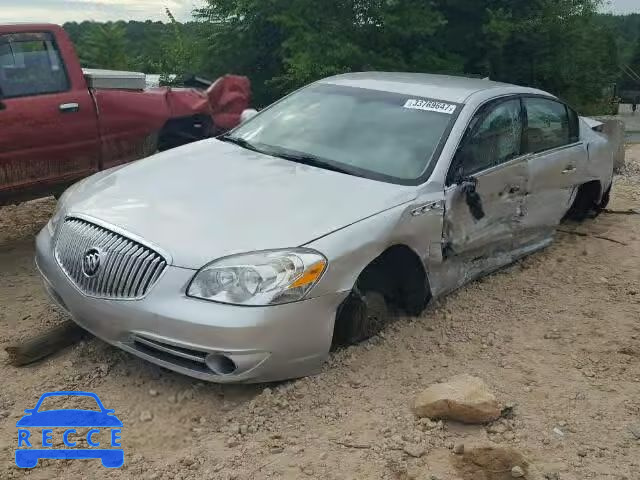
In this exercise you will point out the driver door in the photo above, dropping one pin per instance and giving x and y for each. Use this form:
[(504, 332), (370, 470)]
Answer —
[(490, 159), (49, 131)]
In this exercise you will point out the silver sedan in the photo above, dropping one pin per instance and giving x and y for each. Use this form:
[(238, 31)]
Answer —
[(247, 258)]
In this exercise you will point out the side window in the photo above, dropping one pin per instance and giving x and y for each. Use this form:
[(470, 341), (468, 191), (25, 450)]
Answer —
[(30, 64), (548, 125), (494, 137)]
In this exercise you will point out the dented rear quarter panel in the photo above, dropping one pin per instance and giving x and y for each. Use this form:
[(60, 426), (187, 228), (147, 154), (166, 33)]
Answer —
[(604, 151), (126, 120)]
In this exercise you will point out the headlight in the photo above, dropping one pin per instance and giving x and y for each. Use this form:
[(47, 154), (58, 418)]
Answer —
[(58, 213), (261, 278)]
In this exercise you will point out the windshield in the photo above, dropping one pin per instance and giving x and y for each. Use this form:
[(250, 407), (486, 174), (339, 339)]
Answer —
[(367, 132)]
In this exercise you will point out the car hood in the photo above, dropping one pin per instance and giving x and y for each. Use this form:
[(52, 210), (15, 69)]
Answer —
[(211, 199)]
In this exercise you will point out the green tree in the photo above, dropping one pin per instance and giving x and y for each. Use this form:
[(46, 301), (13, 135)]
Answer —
[(564, 46), (556, 45), (283, 44), (105, 46), (244, 37), (179, 53)]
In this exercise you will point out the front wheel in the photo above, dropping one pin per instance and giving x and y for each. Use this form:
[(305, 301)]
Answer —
[(360, 317)]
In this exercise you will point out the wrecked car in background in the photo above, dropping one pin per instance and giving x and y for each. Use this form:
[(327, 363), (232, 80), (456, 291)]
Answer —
[(248, 257), (61, 123)]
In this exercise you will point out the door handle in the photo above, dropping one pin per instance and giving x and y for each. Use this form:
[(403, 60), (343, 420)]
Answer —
[(570, 169), (69, 107)]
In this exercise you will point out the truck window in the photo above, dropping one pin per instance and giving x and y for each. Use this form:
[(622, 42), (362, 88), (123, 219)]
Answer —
[(30, 64)]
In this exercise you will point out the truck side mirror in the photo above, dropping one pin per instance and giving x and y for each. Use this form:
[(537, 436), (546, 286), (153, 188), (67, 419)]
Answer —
[(469, 186)]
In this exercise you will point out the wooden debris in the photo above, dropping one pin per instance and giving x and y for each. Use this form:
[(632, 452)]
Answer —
[(45, 344)]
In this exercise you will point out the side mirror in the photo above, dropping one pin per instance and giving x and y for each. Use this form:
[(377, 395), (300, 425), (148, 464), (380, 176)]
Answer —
[(468, 186), (2, 105)]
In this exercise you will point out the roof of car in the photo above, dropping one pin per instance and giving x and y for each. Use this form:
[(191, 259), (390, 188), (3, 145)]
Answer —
[(439, 87)]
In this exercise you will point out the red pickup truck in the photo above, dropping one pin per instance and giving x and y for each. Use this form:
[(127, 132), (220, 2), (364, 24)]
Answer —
[(60, 123)]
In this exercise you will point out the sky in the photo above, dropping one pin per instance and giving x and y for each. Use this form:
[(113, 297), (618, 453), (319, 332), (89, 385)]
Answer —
[(60, 11)]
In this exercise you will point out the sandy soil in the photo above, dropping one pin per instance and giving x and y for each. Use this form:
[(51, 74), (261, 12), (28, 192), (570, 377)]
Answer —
[(557, 336)]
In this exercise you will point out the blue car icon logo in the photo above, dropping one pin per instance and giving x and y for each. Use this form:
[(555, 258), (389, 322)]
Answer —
[(29, 449)]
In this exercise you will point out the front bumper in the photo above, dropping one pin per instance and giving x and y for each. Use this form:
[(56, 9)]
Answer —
[(206, 340)]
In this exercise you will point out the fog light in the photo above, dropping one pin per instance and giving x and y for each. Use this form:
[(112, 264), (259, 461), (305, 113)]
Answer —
[(220, 364)]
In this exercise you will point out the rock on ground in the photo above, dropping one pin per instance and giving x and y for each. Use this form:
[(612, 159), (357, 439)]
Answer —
[(464, 399)]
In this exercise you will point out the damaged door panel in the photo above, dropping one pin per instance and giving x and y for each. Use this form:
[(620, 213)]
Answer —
[(486, 194), (501, 191), (487, 182)]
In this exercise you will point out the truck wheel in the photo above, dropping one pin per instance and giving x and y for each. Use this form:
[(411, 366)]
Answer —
[(360, 317), (181, 131), (150, 146)]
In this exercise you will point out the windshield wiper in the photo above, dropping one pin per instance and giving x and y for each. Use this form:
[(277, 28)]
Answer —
[(241, 142), (311, 161), (302, 158)]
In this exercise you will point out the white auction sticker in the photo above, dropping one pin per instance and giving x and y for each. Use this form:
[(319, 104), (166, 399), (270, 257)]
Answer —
[(430, 106)]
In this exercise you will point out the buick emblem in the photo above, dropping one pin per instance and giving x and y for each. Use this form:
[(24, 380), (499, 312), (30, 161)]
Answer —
[(91, 262)]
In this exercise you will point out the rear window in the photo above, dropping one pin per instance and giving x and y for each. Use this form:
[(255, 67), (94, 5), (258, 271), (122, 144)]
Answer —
[(30, 64)]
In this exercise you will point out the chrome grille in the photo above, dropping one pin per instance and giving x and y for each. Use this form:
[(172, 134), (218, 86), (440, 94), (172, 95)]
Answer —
[(127, 269)]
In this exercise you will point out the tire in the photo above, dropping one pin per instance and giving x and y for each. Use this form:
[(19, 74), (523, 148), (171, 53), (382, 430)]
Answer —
[(360, 317), (604, 203), (181, 131), (585, 205)]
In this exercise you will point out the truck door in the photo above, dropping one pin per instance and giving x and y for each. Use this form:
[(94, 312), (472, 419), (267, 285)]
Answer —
[(48, 124)]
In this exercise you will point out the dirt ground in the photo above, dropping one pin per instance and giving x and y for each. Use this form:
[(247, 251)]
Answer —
[(557, 336)]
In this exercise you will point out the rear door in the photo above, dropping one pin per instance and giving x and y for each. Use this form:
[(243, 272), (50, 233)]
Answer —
[(490, 154), (49, 129), (557, 162)]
